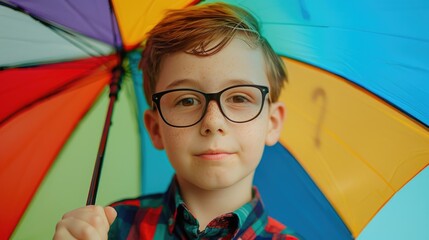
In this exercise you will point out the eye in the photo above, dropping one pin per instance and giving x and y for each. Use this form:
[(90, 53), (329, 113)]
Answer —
[(238, 99), (187, 102)]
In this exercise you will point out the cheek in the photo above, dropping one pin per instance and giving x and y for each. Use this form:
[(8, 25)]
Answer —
[(258, 126), (173, 138), (254, 132)]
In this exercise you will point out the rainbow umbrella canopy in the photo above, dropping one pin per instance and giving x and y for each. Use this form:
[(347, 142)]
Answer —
[(353, 156)]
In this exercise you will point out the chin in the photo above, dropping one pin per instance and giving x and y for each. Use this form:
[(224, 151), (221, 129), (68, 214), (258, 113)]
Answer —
[(221, 182)]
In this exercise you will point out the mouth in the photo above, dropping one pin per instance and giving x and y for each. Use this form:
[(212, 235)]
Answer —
[(214, 155)]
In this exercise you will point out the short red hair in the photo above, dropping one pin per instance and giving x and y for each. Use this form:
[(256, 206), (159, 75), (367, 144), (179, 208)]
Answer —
[(194, 28)]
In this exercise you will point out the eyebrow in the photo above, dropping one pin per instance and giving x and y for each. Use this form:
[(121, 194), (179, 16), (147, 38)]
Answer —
[(239, 82), (197, 84), (179, 82)]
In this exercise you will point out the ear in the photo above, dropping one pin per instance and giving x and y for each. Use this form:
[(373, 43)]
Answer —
[(275, 125), (151, 120)]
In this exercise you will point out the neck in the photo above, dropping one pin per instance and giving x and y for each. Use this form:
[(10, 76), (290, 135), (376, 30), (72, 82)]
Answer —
[(206, 205)]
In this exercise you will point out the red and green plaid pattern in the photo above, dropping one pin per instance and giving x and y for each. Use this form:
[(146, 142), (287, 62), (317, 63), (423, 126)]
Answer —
[(165, 216)]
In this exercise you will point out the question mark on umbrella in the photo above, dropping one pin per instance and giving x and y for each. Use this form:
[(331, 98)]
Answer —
[(319, 93)]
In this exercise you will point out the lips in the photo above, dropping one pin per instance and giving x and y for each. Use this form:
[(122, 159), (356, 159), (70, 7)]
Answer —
[(214, 155)]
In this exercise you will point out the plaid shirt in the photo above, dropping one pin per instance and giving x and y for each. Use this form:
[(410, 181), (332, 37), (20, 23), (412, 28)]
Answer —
[(165, 216)]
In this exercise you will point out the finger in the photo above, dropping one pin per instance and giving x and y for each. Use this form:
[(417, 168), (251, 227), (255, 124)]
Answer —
[(99, 220), (72, 228), (62, 234), (110, 214), (92, 215)]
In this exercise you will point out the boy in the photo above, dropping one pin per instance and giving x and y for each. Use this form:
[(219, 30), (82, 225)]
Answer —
[(214, 84)]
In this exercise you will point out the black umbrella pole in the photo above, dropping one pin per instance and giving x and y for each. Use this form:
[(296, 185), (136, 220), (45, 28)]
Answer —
[(114, 89)]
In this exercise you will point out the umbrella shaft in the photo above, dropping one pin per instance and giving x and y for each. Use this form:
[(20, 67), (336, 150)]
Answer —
[(114, 89), (92, 195)]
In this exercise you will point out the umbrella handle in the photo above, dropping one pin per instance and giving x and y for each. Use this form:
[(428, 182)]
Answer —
[(115, 86)]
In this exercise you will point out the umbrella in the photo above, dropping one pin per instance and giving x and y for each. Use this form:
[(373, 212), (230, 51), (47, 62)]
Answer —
[(355, 140)]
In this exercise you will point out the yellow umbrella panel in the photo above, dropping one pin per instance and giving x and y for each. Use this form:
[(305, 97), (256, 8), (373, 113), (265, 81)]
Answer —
[(358, 149)]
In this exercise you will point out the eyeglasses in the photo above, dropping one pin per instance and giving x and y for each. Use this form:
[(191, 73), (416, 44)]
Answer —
[(186, 107)]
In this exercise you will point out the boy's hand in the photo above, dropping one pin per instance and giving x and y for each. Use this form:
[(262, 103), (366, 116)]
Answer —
[(90, 222)]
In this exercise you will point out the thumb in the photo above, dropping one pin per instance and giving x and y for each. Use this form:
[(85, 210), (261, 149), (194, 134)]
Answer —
[(110, 214)]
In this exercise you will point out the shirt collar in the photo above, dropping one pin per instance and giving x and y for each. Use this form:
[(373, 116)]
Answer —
[(250, 214)]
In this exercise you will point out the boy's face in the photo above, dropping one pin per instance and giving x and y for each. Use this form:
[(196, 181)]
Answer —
[(215, 153)]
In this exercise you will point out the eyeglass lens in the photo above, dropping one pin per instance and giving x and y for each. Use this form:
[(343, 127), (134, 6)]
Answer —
[(185, 107)]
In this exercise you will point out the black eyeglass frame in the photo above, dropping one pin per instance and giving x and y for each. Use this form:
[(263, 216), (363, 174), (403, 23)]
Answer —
[(156, 98)]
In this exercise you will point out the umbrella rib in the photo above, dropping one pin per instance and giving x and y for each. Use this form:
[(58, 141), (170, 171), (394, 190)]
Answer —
[(113, 17), (68, 36), (93, 27), (60, 31)]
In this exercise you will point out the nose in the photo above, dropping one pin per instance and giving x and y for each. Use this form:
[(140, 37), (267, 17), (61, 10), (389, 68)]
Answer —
[(213, 121)]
